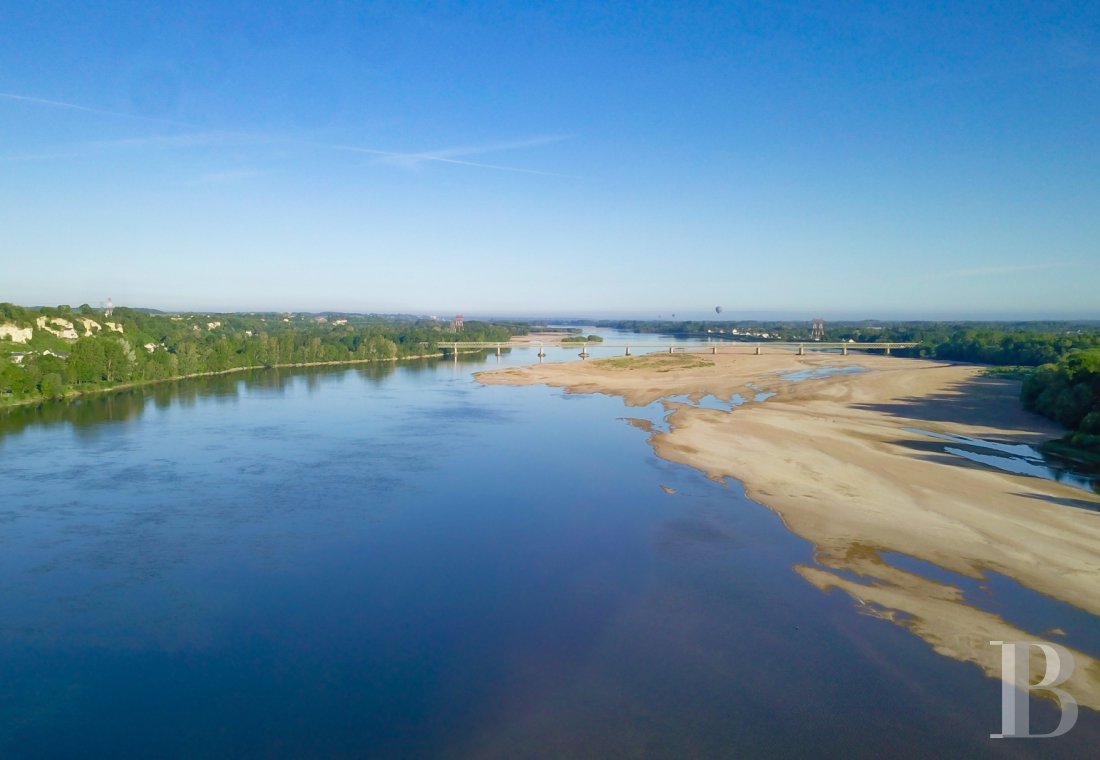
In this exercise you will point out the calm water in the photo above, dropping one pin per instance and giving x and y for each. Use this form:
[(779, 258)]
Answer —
[(1018, 458), (398, 562)]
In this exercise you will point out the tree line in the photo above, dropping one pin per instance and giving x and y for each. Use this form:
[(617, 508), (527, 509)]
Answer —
[(1068, 392), (1060, 361), (132, 346), (1027, 344)]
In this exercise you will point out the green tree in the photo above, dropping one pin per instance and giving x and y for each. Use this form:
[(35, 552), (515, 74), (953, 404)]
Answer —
[(118, 359), (1067, 392), (188, 359), (52, 386), (87, 361), (13, 380)]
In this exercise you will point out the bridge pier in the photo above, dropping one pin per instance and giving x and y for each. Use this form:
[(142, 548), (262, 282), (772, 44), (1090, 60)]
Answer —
[(452, 349)]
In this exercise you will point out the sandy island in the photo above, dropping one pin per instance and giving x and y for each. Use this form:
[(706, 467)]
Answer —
[(838, 460), (547, 338)]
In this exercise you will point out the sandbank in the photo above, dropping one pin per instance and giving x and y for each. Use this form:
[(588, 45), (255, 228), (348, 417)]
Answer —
[(838, 459), (548, 338)]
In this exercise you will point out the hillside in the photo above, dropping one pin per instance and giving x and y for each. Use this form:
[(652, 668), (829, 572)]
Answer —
[(52, 352)]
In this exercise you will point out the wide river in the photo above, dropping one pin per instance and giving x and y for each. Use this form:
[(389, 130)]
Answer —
[(395, 561)]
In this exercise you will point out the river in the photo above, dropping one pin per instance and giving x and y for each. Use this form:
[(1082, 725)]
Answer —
[(395, 561)]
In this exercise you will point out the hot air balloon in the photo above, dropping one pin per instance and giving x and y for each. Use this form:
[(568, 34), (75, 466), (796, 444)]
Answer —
[(717, 309)]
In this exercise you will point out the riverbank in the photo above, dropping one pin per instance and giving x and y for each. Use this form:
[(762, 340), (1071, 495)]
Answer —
[(73, 394), (840, 460)]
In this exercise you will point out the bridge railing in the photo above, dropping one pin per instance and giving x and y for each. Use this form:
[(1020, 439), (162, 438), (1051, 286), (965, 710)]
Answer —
[(801, 347)]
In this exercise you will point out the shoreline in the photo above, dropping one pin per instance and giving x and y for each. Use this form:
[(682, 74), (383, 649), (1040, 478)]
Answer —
[(843, 462), (76, 394)]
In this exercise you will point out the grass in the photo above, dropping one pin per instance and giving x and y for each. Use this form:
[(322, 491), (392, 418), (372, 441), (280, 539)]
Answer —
[(656, 362), (1009, 373), (1068, 449)]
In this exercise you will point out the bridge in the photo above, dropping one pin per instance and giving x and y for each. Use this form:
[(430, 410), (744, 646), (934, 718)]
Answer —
[(727, 347)]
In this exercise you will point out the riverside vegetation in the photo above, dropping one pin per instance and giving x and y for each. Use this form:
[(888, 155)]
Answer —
[(1059, 362), (64, 351), (77, 350)]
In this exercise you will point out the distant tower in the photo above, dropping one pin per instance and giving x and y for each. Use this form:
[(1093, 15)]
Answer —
[(818, 331), (458, 323), (109, 308)]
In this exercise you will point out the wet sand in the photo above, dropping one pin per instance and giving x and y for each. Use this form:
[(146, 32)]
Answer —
[(834, 458)]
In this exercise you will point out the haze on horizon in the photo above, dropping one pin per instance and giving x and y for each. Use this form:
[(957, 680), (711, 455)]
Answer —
[(886, 161)]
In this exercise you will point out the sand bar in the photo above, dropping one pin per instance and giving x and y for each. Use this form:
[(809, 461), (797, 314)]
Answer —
[(836, 459), (546, 338)]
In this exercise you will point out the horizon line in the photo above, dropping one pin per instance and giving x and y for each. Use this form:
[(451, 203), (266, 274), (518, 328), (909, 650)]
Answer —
[(624, 315)]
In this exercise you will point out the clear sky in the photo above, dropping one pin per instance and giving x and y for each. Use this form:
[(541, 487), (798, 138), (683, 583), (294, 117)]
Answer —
[(778, 159)]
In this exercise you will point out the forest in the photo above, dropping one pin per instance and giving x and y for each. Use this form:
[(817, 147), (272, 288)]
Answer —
[(1068, 392), (998, 343), (76, 350)]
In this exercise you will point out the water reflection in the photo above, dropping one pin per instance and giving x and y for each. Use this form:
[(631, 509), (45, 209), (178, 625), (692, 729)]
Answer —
[(1017, 458), (821, 372), (955, 625), (86, 415), (391, 560), (845, 489)]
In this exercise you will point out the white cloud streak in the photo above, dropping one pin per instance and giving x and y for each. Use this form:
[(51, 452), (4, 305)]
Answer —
[(408, 160), (186, 140), (228, 176), (449, 155), (16, 157), (452, 154), (182, 141), (84, 109)]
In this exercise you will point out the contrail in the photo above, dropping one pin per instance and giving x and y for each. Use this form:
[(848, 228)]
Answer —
[(86, 109), (446, 155), (412, 159), (473, 150)]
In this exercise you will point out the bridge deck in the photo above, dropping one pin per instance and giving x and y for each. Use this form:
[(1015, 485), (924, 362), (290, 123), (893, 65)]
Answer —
[(713, 347)]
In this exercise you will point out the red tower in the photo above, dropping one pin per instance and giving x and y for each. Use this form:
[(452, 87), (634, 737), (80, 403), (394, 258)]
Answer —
[(458, 323)]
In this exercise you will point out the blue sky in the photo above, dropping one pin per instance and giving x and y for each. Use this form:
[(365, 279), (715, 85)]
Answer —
[(787, 159)]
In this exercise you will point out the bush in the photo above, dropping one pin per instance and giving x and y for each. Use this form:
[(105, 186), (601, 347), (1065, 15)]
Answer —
[(52, 386)]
